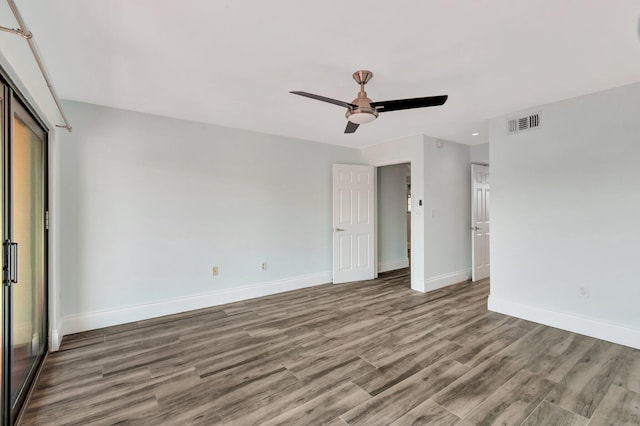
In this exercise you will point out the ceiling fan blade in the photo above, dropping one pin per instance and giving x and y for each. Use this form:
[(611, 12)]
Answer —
[(399, 104), (324, 99), (351, 127)]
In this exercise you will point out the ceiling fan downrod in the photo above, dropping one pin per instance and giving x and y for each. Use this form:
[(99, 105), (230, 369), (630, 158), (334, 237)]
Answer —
[(362, 77), (364, 113)]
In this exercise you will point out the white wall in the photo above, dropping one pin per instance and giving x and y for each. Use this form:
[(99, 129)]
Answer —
[(447, 210), (480, 153), (152, 204), (392, 217), (565, 211)]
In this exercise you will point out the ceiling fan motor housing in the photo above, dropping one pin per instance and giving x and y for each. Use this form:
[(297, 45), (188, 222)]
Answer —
[(364, 113)]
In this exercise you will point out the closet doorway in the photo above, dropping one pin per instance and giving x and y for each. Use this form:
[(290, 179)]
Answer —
[(394, 216)]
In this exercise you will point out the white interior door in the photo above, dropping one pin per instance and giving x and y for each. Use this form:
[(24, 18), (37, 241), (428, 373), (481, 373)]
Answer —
[(480, 221), (353, 223)]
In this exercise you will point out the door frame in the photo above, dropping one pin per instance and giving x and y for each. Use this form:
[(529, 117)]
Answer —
[(474, 272), (5, 385), (377, 208), (16, 102), (415, 261)]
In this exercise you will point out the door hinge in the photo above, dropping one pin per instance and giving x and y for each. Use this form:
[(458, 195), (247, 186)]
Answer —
[(46, 220)]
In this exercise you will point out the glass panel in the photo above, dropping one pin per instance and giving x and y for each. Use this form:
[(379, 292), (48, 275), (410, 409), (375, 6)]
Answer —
[(2, 136), (28, 231)]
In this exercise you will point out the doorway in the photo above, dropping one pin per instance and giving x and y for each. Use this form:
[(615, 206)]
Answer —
[(24, 249), (394, 217)]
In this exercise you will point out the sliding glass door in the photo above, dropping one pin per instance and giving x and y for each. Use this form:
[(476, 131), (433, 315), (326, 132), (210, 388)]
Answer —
[(24, 236), (28, 237), (5, 365)]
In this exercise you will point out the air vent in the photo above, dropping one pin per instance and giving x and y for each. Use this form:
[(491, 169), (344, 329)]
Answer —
[(520, 124)]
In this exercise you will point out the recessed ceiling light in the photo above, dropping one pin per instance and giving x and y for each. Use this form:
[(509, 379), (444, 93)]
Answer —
[(475, 134)]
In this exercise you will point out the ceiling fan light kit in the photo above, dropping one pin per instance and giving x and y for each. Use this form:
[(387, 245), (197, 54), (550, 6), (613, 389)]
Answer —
[(361, 110), (362, 115)]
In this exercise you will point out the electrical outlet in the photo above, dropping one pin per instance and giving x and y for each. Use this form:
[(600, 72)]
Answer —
[(583, 292), (263, 266), (215, 271)]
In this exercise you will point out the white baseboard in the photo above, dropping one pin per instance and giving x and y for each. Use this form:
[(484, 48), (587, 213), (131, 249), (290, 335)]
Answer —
[(445, 280), (581, 325), (393, 265), (54, 341), (93, 320)]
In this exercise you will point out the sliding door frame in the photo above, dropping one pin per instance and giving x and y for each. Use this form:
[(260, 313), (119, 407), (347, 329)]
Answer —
[(7, 353), (14, 102)]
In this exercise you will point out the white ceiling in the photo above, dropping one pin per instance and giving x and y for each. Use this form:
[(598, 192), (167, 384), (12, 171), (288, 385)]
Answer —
[(233, 62)]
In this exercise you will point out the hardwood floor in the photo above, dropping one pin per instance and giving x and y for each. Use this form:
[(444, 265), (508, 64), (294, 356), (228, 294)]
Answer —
[(366, 353)]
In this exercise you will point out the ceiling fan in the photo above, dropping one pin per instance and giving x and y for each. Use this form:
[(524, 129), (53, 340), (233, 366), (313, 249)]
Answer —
[(361, 110)]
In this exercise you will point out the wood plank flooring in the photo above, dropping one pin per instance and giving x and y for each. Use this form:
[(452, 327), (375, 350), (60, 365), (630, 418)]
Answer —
[(365, 353)]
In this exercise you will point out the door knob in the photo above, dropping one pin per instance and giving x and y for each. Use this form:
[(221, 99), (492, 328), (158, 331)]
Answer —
[(474, 228), (339, 230)]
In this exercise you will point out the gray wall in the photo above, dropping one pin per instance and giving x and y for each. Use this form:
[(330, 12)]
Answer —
[(447, 211), (392, 217), (565, 211), (441, 178), (407, 150), (480, 153), (151, 204)]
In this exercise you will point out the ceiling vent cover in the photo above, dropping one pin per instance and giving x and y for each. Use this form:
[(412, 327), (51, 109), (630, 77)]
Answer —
[(520, 124)]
